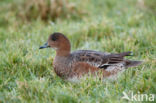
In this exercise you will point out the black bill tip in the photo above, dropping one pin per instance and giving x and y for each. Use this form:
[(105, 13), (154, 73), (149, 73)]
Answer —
[(44, 46)]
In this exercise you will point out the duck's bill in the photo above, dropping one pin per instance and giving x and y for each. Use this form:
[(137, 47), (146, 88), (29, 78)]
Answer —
[(44, 46)]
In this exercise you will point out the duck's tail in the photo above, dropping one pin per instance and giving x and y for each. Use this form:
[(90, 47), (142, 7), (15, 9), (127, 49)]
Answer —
[(131, 63)]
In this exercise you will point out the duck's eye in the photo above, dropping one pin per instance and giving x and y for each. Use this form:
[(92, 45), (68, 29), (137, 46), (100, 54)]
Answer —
[(54, 37)]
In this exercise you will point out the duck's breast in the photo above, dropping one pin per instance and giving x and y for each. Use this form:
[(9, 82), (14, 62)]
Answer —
[(61, 66)]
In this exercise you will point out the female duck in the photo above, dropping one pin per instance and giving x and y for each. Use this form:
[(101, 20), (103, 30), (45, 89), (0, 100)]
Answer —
[(71, 66)]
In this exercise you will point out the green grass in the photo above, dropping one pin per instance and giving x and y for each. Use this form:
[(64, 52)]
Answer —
[(26, 73)]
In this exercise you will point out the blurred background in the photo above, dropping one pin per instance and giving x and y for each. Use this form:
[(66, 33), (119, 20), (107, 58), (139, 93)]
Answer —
[(24, 11), (26, 73)]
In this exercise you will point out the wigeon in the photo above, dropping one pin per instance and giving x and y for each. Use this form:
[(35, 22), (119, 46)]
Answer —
[(73, 66)]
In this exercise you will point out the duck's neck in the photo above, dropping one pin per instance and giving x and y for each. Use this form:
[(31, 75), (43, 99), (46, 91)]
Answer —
[(64, 50)]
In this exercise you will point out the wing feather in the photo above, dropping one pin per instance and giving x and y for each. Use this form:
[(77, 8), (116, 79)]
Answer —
[(99, 59)]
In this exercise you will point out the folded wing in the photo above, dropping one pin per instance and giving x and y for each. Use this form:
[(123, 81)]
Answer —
[(99, 59)]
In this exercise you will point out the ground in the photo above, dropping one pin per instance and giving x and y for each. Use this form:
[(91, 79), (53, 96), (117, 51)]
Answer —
[(27, 75)]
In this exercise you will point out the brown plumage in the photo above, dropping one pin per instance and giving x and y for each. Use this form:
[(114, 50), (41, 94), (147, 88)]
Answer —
[(79, 63)]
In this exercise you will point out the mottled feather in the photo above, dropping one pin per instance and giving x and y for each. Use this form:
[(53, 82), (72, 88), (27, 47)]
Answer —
[(98, 59)]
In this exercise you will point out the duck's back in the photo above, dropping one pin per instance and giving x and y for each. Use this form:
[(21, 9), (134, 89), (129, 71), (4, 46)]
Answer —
[(99, 59)]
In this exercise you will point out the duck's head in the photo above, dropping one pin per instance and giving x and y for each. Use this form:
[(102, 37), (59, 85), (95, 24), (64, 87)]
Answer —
[(59, 42)]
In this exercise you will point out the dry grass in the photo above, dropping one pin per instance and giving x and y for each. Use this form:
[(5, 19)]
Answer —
[(48, 9)]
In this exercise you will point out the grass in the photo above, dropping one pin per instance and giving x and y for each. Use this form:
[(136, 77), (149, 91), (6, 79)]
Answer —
[(46, 9), (26, 73)]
